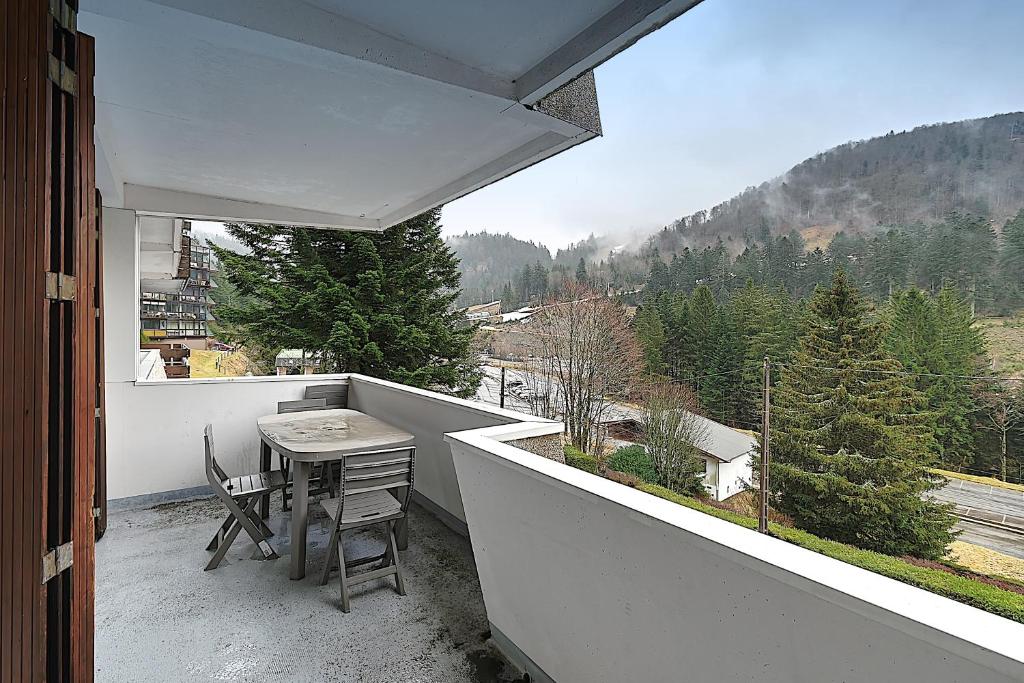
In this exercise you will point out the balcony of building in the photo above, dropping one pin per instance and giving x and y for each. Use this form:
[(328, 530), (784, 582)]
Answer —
[(346, 115), (516, 564)]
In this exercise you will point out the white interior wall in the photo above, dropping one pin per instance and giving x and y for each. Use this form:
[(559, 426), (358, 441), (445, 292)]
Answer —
[(595, 581), (120, 295)]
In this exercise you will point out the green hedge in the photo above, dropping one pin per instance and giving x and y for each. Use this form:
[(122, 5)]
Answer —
[(959, 588), (634, 460), (574, 457)]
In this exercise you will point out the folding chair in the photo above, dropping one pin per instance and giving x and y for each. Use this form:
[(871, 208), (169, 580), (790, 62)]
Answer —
[(295, 407), (336, 394), (239, 495), (367, 497)]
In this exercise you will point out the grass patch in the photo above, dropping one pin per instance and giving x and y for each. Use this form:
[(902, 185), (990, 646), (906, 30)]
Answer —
[(204, 364), (987, 561), (962, 589), (990, 481), (634, 460), (574, 457)]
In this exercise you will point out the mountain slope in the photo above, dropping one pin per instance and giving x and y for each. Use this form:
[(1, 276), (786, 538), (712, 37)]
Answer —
[(489, 261), (974, 166)]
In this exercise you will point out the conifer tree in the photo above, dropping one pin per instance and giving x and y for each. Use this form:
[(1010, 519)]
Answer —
[(937, 338), (379, 304), (850, 450), (703, 324), (650, 331), (766, 319)]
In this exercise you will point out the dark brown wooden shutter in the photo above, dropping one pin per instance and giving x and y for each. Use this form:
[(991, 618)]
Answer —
[(48, 395)]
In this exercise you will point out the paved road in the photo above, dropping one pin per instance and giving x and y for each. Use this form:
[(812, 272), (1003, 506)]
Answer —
[(988, 503), (1000, 540)]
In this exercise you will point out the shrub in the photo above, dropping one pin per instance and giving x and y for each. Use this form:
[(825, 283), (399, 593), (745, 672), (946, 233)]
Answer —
[(634, 460), (962, 589), (574, 457)]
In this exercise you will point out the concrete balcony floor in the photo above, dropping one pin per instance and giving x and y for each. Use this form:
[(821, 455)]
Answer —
[(159, 616)]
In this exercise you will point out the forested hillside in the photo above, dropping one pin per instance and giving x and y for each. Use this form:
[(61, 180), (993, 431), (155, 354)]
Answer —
[(489, 261), (917, 176), (917, 207)]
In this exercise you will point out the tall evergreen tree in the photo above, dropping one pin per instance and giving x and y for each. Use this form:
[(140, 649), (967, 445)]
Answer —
[(704, 329), (1011, 264), (379, 304), (651, 332), (581, 272), (850, 450)]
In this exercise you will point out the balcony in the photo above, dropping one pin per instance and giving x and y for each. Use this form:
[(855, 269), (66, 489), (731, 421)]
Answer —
[(289, 630), (574, 577)]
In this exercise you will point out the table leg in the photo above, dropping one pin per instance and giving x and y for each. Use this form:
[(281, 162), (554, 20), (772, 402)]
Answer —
[(300, 509), (264, 467)]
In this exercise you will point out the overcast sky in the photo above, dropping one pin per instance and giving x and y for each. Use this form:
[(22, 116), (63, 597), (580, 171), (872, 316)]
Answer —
[(735, 92)]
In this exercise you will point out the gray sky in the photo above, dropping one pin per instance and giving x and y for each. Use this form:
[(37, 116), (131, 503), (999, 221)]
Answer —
[(735, 92)]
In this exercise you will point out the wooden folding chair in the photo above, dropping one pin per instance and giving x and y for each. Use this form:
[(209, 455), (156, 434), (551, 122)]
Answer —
[(239, 495), (368, 495), (285, 463)]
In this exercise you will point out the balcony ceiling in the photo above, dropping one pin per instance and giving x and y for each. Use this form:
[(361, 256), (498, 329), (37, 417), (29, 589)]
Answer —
[(340, 113)]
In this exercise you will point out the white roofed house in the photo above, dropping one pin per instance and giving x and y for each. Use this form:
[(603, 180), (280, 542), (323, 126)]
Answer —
[(728, 456), (124, 118), (727, 453)]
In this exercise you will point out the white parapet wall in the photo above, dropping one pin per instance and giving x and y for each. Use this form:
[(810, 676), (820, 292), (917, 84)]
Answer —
[(429, 416), (155, 428), (588, 580)]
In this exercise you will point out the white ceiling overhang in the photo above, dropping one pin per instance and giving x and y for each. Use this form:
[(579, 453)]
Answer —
[(340, 113)]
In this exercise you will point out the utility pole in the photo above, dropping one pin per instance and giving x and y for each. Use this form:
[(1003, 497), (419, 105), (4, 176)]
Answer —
[(762, 513), (501, 392)]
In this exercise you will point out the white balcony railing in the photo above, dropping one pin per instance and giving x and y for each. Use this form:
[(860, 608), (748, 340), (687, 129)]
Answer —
[(585, 579)]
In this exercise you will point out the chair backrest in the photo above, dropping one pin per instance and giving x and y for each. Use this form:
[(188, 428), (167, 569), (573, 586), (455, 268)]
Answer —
[(336, 394), (300, 405), (390, 468), (214, 474)]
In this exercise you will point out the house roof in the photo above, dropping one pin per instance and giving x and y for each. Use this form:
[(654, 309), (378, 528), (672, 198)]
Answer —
[(720, 441), (724, 442)]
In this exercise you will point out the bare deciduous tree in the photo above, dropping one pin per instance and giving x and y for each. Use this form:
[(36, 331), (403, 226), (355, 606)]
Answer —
[(674, 434), (590, 355), (1002, 404)]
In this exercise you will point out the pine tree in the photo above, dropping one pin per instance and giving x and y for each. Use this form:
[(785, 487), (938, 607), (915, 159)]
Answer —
[(722, 390), (1011, 264), (679, 354), (766, 320), (651, 332), (379, 304), (850, 449), (703, 324), (508, 299), (581, 272), (938, 338)]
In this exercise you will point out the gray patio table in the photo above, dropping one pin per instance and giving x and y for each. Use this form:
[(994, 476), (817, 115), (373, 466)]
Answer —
[(314, 436)]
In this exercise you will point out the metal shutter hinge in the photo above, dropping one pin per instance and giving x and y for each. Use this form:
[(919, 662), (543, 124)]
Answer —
[(96, 512), (64, 77), (57, 560), (60, 287)]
